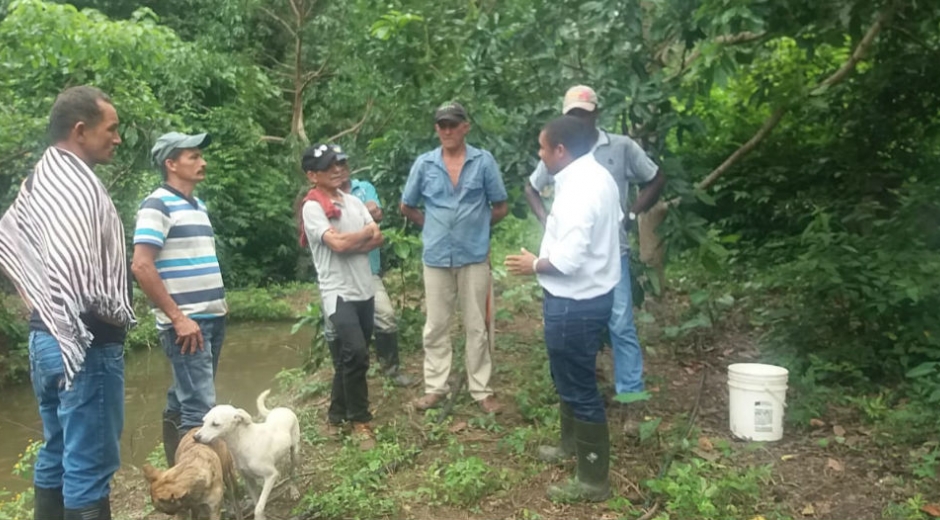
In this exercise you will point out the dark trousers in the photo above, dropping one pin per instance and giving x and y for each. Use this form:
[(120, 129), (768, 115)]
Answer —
[(352, 323), (573, 333)]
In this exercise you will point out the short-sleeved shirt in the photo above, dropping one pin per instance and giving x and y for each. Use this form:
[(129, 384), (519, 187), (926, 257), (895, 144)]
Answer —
[(340, 275), (625, 161), (179, 227), (365, 191), (456, 218)]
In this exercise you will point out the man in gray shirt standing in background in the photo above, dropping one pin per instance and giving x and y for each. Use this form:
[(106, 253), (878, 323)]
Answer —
[(627, 163)]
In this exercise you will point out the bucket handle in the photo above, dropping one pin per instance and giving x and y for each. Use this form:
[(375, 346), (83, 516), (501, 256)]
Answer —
[(783, 403)]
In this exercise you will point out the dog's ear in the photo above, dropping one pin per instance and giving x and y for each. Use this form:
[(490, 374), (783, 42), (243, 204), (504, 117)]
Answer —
[(151, 473), (241, 416)]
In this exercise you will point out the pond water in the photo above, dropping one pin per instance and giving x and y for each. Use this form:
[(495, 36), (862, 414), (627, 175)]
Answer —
[(252, 355)]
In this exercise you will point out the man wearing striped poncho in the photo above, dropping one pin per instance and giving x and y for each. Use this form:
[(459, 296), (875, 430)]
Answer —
[(62, 245)]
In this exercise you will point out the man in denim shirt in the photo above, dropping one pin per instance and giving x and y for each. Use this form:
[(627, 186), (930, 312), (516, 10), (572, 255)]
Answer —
[(463, 195)]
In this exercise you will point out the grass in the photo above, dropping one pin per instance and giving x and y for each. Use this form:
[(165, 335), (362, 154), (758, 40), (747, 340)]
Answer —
[(856, 456)]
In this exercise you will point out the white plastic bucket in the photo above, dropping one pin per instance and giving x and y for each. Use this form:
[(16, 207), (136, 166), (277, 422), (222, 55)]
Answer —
[(757, 396)]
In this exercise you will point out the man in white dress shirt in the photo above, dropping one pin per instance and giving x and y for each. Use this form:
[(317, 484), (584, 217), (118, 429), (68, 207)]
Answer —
[(578, 267), (628, 165)]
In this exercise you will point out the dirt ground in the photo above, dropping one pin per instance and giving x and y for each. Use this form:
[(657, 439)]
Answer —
[(849, 475)]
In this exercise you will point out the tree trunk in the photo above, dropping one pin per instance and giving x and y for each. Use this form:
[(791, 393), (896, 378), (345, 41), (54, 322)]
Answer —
[(652, 247)]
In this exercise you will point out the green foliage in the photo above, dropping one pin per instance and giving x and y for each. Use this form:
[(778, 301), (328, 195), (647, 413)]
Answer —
[(462, 482), (319, 352), (709, 490), (14, 359), (356, 484), (910, 509), (15, 506), (924, 462), (258, 305), (157, 457), (538, 400)]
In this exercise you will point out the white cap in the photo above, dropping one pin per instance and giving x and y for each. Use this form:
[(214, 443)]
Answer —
[(579, 96)]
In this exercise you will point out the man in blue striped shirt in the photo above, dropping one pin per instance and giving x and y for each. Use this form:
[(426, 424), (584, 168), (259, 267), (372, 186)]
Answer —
[(177, 268)]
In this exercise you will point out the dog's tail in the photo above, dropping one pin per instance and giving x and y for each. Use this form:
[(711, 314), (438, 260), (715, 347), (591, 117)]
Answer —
[(262, 409)]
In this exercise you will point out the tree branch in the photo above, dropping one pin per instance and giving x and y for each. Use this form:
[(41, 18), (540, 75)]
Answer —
[(312, 75), (744, 149), (907, 34), (286, 25), (355, 127), (271, 139), (860, 50), (293, 6), (859, 53), (725, 39)]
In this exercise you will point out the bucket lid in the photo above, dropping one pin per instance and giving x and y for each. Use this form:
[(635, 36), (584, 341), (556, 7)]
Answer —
[(757, 369)]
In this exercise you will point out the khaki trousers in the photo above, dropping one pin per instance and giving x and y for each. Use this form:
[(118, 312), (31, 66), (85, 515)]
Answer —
[(443, 288), (385, 319)]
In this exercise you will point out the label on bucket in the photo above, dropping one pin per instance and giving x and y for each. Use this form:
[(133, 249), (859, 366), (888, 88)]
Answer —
[(763, 417)]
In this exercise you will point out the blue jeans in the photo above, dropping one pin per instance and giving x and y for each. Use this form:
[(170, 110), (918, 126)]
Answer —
[(573, 330), (192, 393), (81, 426), (628, 356)]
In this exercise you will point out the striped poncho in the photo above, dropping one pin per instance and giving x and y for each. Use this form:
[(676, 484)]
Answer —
[(62, 245)]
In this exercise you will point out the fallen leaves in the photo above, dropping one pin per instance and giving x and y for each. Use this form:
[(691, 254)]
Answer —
[(817, 423), (788, 457), (458, 426), (705, 444), (816, 509), (835, 465), (838, 431), (932, 510)]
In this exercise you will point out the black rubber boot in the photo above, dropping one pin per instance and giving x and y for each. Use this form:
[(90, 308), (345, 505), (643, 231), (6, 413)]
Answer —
[(47, 504), (99, 511), (171, 436), (567, 448), (386, 348), (593, 477)]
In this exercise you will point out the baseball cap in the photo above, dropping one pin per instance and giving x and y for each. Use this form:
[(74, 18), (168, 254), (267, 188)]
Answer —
[(166, 143), (320, 157), (450, 111), (579, 96)]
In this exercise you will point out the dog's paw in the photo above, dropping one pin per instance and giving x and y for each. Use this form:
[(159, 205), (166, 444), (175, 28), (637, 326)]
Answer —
[(294, 493)]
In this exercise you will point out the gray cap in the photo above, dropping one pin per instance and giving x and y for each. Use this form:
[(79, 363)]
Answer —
[(174, 141), (451, 111)]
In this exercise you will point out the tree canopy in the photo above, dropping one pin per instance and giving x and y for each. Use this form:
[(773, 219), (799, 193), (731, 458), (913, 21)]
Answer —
[(800, 138)]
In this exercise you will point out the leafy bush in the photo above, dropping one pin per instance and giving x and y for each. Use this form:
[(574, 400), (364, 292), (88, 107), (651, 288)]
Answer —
[(708, 490)]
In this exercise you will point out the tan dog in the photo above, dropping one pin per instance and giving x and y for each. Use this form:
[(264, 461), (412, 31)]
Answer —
[(196, 483)]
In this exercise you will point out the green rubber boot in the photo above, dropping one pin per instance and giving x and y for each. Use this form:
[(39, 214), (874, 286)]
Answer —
[(592, 483)]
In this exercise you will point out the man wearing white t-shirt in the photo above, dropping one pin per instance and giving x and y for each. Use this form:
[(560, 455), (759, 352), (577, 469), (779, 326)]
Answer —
[(578, 267)]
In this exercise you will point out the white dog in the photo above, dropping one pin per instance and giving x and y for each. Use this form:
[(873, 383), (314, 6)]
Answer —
[(256, 447)]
